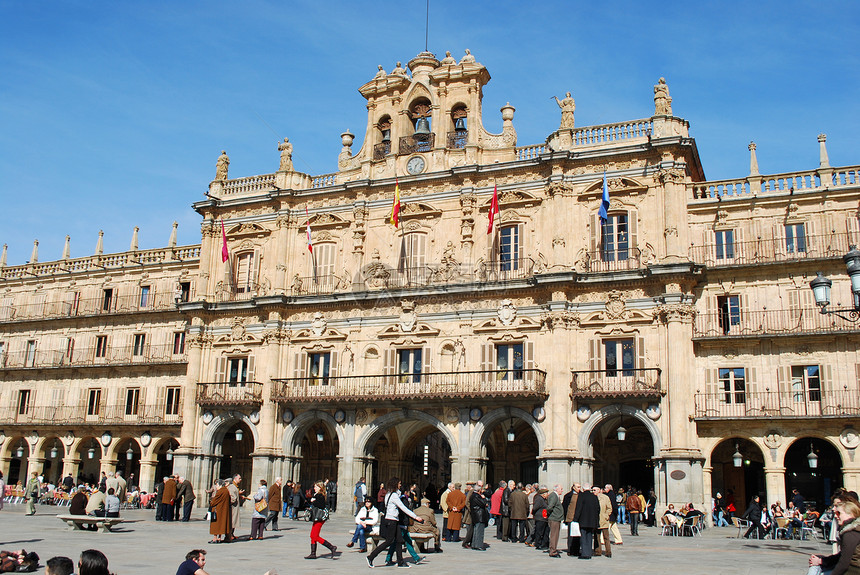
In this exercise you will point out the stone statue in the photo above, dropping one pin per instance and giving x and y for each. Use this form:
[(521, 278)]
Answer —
[(468, 58), (286, 149), (567, 106), (448, 60), (221, 166), (381, 73), (398, 70), (662, 101)]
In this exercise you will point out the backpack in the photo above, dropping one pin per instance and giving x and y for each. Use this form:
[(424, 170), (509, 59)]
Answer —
[(357, 493)]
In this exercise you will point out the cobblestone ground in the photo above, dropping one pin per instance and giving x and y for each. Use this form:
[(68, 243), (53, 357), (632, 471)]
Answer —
[(144, 546)]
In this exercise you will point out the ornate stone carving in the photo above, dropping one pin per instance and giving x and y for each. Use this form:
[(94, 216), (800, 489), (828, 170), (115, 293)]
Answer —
[(849, 438), (722, 217), (773, 439), (507, 312), (662, 100), (559, 189), (558, 241), (676, 312), (408, 317), (671, 175), (615, 306), (318, 324)]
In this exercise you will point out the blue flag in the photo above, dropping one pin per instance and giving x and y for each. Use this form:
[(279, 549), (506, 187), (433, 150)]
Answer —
[(604, 203)]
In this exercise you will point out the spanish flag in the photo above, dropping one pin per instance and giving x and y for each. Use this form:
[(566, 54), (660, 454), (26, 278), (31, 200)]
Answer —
[(395, 208), (494, 210)]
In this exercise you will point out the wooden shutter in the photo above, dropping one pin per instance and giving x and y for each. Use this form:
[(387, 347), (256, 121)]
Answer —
[(487, 363), (221, 369), (632, 233), (425, 360), (746, 323), (751, 380), (160, 400), (299, 365), (530, 354), (852, 225), (389, 366), (595, 354), (640, 353), (783, 379), (594, 245), (332, 368), (826, 375), (252, 371)]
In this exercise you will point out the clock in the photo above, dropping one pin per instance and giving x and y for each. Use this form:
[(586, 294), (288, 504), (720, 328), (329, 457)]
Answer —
[(415, 165)]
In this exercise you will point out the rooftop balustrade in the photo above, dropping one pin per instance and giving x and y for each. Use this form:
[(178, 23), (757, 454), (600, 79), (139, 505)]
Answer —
[(778, 404), (617, 383), (803, 181)]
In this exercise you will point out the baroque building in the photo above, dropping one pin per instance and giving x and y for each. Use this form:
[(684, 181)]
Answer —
[(673, 344)]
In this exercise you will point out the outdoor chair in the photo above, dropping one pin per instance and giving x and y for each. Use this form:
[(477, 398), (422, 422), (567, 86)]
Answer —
[(668, 527), (741, 524), (692, 526), (782, 526)]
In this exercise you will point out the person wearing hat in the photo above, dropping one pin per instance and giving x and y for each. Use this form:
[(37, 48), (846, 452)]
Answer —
[(366, 520), (429, 525)]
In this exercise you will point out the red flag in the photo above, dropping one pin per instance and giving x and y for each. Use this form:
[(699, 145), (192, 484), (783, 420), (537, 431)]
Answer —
[(310, 245), (225, 253), (395, 208), (494, 209)]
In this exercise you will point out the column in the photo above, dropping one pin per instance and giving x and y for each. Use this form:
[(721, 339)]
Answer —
[(107, 464), (71, 465), (281, 268), (774, 484), (708, 490), (851, 475), (189, 400), (676, 231), (147, 475), (34, 464)]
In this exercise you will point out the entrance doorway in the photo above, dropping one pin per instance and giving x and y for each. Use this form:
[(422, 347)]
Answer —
[(623, 450), (512, 450), (738, 472), (320, 447), (236, 448), (815, 484)]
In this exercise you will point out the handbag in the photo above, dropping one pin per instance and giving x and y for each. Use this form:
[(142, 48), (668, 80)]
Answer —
[(212, 517), (261, 505), (543, 513), (318, 514)]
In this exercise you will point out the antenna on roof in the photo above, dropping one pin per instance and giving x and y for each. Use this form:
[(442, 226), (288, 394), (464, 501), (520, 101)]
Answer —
[(427, 28)]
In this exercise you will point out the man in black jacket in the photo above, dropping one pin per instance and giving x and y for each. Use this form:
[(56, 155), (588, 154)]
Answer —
[(587, 514), (506, 510), (287, 496)]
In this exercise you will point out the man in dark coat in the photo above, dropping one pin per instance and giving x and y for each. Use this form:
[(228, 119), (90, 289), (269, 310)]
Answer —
[(168, 496), (274, 504), (587, 514), (287, 496), (541, 540), (78, 505), (519, 503), (186, 491), (573, 541), (159, 506), (506, 510)]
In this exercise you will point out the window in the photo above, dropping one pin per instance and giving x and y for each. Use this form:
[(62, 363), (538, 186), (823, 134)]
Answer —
[(172, 406), (409, 365), (509, 361), (416, 245), (509, 248), (179, 343), (185, 290), (132, 400), (795, 238), (245, 273), (107, 300), (94, 400), (101, 345), (24, 402), (73, 302), (733, 382), (70, 350), (324, 260), (2, 354), (619, 354), (30, 355), (614, 241), (319, 364), (805, 383), (237, 370), (139, 344), (725, 244), (729, 307), (144, 296)]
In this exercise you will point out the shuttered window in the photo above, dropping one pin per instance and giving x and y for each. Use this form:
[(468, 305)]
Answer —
[(795, 238), (245, 272), (409, 365), (509, 248), (805, 383), (725, 244), (615, 239), (733, 384), (729, 312), (132, 400), (620, 356), (172, 405)]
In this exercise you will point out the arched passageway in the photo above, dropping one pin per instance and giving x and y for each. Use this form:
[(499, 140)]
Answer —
[(319, 450), (816, 478), (623, 449), (737, 472), (512, 451)]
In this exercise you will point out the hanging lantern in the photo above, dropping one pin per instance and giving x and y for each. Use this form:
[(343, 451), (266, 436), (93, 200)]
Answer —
[(737, 458), (812, 458), (621, 432), (20, 452), (91, 452), (239, 434), (129, 454), (54, 452), (512, 435), (320, 434), (169, 455)]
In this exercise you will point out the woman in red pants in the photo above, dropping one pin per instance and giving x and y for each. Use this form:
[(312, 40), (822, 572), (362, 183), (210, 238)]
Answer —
[(319, 514)]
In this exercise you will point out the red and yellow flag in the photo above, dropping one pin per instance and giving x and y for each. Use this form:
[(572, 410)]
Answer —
[(395, 208)]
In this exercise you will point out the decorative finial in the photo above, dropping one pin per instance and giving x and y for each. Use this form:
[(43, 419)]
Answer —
[(100, 244), (3, 255), (34, 257), (67, 251), (171, 243), (823, 160), (753, 160), (133, 246), (221, 166), (662, 101)]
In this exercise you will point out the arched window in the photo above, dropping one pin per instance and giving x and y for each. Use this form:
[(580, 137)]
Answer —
[(458, 137), (383, 147)]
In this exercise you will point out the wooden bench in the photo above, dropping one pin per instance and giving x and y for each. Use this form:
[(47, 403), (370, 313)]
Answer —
[(420, 539), (77, 522)]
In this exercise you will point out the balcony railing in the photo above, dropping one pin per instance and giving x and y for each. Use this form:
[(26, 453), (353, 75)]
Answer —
[(613, 260), (381, 150), (224, 293), (616, 383), (91, 356), (799, 321), (114, 414), (523, 383), (458, 139), (229, 393), (413, 144), (763, 404), (777, 183), (772, 250), (131, 303)]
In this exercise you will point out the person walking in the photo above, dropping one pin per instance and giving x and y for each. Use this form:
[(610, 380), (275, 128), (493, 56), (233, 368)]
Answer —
[(634, 510), (261, 511), (319, 515), (613, 517), (390, 529), (287, 494), (274, 504), (297, 502), (754, 515), (31, 493)]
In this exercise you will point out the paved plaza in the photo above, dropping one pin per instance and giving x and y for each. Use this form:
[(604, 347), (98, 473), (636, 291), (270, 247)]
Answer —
[(149, 547)]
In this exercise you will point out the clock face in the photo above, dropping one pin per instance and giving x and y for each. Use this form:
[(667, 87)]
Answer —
[(415, 165)]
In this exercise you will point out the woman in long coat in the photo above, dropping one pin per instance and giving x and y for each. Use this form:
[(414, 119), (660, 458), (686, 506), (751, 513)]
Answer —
[(456, 502), (220, 504)]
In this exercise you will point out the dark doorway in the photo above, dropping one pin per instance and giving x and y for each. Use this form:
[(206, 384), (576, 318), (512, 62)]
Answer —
[(816, 485)]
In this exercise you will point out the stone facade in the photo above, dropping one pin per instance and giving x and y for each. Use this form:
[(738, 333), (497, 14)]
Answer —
[(447, 348)]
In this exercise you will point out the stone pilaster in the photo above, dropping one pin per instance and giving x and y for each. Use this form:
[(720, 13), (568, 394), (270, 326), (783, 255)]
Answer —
[(774, 482)]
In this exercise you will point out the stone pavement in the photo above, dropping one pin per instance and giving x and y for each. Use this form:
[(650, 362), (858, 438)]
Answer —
[(150, 547)]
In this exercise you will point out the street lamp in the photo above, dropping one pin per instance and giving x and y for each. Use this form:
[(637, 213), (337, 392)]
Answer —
[(320, 434), (169, 454), (239, 434), (20, 452), (129, 454), (821, 288), (91, 452), (512, 435), (621, 432), (812, 458), (737, 458)]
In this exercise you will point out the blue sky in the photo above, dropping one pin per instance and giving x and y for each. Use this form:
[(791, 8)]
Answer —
[(112, 114)]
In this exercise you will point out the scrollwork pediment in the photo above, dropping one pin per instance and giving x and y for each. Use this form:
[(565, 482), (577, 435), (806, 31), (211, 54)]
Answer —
[(621, 186), (415, 210), (496, 325), (512, 199), (326, 222), (422, 331), (329, 334), (246, 229)]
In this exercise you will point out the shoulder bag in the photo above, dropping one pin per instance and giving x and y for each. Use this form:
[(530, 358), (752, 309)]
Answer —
[(318, 514), (261, 505)]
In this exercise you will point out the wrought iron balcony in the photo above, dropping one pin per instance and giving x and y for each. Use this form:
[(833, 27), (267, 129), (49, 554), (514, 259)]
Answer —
[(780, 322), (829, 246), (91, 356), (117, 304), (413, 144), (230, 393), (114, 414), (381, 150), (225, 292), (616, 260), (777, 404), (523, 384), (458, 139), (617, 383)]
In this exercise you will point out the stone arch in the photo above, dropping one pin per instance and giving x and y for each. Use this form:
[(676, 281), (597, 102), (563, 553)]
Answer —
[(298, 427), (605, 412), (811, 434), (214, 433), (711, 446), (381, 424), (489, 420), (113, 449)]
